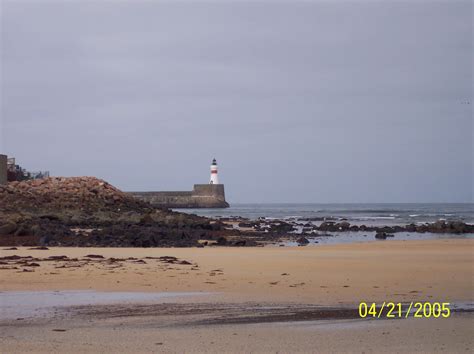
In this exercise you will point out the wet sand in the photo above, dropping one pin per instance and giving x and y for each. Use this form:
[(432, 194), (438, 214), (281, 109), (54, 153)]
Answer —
[(273, 289), (128, 334)]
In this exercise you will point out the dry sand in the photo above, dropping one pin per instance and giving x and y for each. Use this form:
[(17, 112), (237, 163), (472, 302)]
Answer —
[(345, 274), (438, 270)]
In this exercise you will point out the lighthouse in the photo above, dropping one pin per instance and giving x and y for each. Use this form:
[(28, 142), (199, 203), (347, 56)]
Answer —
[(209, 195), (214, 178)]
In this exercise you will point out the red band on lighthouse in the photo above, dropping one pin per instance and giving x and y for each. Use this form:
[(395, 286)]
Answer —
[(214, 179)]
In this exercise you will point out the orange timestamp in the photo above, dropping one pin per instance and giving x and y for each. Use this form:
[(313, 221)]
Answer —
[(405, 310)]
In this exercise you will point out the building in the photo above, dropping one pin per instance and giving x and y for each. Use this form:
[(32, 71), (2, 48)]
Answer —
[(3, 169), (16, 173)]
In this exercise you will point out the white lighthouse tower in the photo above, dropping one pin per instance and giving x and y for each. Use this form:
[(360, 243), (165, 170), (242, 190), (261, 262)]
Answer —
[(214, 178)]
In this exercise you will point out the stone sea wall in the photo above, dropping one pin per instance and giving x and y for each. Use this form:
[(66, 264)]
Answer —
[(202, 196)]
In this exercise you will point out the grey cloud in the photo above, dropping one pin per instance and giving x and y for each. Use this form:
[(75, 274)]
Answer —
[(298, 101)]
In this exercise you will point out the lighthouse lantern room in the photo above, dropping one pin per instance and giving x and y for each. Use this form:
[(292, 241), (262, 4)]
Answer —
[(214, 178)]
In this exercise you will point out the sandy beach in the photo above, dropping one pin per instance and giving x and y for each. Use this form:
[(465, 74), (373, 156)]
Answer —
[(440, 270), (228, 282), (236, 177)]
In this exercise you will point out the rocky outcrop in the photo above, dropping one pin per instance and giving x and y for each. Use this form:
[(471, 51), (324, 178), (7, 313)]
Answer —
[(284, 227), (61, 194), (448, 227), (86, 211)]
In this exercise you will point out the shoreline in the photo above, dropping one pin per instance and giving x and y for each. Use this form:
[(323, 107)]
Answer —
[(89, 212)]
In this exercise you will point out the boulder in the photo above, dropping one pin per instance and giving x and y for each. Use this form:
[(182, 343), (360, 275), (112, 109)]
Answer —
[(381, 235), (328, 226), (147, 219), (344, 225), (221, 241), (8, 228), (281, 227), (460, 227), (302, 241), (246, 224)]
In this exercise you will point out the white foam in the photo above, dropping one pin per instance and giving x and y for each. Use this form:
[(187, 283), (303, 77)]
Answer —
[(375, 218)]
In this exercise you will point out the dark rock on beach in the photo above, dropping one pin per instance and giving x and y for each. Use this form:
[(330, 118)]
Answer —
[(327, 226), (454, 227), (221, 241), (281, 227), (382, 235), (343, 226), (302, 241)]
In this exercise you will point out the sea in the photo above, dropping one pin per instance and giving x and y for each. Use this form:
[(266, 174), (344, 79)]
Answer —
[(357, 214)]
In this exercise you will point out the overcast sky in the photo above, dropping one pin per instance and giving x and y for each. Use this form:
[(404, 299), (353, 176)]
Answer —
[(316, 101)]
